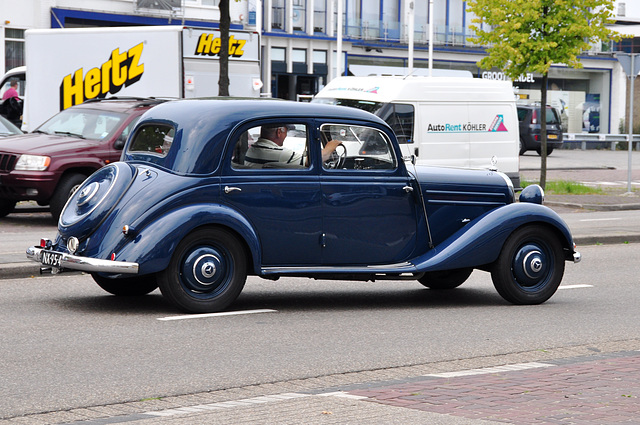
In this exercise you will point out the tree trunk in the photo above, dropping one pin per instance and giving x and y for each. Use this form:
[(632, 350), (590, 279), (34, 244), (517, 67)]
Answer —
[(543, 131), (225, 23)]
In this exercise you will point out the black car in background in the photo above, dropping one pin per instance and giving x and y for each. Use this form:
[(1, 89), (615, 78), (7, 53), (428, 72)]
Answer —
[(529, 117)]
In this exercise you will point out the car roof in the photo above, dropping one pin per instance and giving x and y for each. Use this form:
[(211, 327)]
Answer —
[(119, 104), (203, 125)]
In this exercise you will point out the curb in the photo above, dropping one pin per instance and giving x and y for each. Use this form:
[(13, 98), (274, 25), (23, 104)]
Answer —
[(595, 207)]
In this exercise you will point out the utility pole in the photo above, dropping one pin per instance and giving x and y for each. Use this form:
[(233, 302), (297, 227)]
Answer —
[(631, 66)]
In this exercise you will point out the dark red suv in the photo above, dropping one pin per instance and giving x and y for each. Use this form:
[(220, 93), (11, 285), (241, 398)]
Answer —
[(48, 164)]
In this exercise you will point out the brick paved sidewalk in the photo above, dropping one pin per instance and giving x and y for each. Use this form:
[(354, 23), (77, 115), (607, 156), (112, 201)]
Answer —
[(584, 390)]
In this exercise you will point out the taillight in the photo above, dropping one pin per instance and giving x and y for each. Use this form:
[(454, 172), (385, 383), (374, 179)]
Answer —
[(534, 117)]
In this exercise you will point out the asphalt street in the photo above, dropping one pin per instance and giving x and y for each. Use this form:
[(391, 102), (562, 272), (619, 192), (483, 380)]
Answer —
[(576, 382)]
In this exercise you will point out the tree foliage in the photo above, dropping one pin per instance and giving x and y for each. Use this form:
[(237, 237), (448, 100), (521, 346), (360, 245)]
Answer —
[(531, 35)]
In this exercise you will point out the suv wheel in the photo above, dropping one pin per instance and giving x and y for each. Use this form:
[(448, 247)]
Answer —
[(549, 150), (523, 149), (67, 186), (6, 207)]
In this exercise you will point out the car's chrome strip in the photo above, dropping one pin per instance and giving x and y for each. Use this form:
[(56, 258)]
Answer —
[(384, 268), (86, 264)]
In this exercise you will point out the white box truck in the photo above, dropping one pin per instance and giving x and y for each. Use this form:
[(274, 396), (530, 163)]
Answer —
[(65, 67), (443, 121)]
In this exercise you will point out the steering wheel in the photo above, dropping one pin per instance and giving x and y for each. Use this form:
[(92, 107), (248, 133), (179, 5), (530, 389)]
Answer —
[(336, 159)]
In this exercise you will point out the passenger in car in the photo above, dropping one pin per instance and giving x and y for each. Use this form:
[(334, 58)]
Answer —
[(268, 151)]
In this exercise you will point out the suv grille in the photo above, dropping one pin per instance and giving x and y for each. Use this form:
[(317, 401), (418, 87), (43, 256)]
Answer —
[(7, 161)]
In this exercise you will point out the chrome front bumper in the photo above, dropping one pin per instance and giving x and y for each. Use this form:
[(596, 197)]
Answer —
[(85, 264)]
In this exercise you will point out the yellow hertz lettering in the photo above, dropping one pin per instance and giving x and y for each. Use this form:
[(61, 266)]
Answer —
[(121, 69), (209, 46)]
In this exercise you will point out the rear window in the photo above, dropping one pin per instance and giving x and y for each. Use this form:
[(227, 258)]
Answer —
[(153, 139), (552, 115)]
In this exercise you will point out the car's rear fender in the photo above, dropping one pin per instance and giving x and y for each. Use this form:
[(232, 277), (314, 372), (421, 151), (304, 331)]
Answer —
[(152, 249), (480, 241)]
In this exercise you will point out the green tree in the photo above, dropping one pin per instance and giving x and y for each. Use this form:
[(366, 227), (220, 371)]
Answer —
[(531, 35)]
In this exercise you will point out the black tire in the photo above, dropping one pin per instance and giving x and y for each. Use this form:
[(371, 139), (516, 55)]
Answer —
[(530, 266), (446, 279), (207, 271), (523, 148), (66, 187), (6, 207), (128, 286), (549, 151)]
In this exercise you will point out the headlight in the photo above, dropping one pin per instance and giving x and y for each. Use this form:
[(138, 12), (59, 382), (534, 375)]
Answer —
[(32, 163)]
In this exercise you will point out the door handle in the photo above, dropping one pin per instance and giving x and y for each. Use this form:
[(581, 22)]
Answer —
[(408, 189), (228, 189)]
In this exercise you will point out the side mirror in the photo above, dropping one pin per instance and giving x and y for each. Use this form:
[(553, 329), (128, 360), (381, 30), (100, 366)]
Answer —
[(119, 144), (410, 158)]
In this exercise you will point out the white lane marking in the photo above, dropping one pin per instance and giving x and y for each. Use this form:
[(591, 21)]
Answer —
[(575, 286), (343, 394), (224, 313), (601, 219), (226, 404), (487, 370)]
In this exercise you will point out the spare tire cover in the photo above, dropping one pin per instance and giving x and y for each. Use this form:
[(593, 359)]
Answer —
[(97, 196)]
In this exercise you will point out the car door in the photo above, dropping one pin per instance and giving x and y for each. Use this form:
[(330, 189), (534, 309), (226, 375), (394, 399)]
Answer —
[(368, 204), (282, 203)]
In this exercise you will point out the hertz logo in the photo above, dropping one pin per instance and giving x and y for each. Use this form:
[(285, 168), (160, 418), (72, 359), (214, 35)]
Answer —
[(121, 69), (210, 46)]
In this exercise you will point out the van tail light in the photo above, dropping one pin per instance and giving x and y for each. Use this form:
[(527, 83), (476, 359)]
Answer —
[(534, 117)]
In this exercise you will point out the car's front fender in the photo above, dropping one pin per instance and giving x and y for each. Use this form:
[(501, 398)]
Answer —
[(480, 242), (153, 246)]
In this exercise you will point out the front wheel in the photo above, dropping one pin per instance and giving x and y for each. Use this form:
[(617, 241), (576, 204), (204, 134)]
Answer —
[(530, 266), (128, 286), (206, 273), (6, 207), (446, 279)]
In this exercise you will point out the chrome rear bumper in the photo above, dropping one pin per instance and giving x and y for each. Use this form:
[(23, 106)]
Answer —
[(86, 264)]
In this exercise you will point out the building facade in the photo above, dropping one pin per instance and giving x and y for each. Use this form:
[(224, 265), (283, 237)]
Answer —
[(302, 49)]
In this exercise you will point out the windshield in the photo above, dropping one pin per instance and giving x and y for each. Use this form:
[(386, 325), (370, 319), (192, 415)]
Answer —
[(399, 116), (365, 105), (8, 129), (84, 123)]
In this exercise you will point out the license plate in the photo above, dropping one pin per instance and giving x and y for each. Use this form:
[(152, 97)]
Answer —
[(50, 258), (552, 136)]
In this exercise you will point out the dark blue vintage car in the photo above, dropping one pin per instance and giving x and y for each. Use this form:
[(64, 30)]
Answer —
[(195, 206)]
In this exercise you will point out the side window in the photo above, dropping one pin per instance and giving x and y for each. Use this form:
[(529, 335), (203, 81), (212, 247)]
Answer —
[(400, 118), (153, 138), (361, 148), (279, 145)]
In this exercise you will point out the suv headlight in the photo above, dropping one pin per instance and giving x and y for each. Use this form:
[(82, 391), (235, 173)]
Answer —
[(32, 163)]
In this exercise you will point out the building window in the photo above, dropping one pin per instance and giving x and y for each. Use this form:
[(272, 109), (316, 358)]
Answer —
[(278, 15), (14, 48), (320, 16), (299, 55), (202, 2), (320, 56), (278, 54)]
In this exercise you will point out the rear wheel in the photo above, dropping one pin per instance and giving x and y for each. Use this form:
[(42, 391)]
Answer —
[(67, 186), (549, 150), (530, 266), (206, 273), (446, 279), (128, 286), (6, 207), (523, 148)]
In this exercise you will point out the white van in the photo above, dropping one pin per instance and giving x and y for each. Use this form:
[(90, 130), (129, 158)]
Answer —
[(443, 121)]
